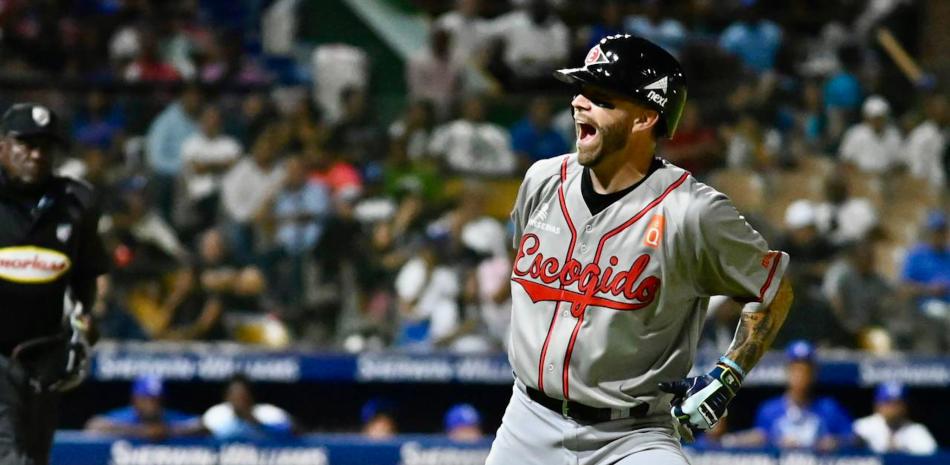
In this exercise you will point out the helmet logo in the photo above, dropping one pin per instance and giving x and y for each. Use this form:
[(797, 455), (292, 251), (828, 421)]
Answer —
[(659, 84), (595, 57), (40, 115), (657, 98)]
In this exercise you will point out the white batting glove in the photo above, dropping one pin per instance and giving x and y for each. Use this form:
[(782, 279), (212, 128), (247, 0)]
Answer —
[(700, 401)]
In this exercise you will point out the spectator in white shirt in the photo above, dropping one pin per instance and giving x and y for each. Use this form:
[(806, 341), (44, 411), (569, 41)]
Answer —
[(249, 187), (428, 288), (467, 29), (842, 218), (873, 145), (472, 146), (207, 155), (412, 132), (534, 40), (927, 143), (889, 430), (432, 75), (239, 418)]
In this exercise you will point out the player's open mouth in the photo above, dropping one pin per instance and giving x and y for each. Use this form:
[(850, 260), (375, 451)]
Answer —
[(585, 132)]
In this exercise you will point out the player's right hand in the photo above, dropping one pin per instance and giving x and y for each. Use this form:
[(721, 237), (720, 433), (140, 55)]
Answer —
[(700, 401)]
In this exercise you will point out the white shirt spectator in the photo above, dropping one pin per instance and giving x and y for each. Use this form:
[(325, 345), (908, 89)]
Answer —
[(152, 228), (435, 294), (336, 67), (870, 151), (924, 151), (279, 27), (910, 438), (468, 33), (246, 187), (493, 275), (198, 148), (125, 44), (431, 79), (417, 141), (850, 221), (531, 50), (479, 148), (223, 423)]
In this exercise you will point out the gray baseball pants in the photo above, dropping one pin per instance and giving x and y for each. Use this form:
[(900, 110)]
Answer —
[(531, 434)]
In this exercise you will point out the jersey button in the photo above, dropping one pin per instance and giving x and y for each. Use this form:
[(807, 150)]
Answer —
[(583, 247), (550, 367), (589, 228)]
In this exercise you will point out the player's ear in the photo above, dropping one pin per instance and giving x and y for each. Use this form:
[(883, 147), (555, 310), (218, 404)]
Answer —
[(645, 120)]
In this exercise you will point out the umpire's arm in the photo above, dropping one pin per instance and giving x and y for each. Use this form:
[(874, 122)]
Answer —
[(92, 261)]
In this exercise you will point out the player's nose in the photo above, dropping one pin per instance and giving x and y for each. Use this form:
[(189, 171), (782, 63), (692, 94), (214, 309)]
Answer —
[(580, 102)]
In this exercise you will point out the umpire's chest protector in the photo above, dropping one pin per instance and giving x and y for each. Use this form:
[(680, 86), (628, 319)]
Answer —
[(40, 249)]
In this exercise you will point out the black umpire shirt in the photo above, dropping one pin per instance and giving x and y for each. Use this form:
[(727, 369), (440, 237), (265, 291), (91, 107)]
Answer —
[(48, 241)]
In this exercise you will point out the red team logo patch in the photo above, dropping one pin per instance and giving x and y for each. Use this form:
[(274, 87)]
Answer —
[(654, 232), (591, 280), (595, 56)]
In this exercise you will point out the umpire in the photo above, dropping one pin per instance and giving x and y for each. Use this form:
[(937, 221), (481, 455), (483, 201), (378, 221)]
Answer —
[(50, 257)]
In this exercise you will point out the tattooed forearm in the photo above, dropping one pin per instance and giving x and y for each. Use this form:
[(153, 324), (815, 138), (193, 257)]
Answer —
[(757, 330)]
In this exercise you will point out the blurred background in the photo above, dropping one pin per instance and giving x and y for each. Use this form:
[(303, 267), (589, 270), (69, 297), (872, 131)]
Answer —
[(306, 204)]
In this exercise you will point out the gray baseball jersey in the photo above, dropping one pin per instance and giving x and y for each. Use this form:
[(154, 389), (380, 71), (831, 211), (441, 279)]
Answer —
[(604, 307)]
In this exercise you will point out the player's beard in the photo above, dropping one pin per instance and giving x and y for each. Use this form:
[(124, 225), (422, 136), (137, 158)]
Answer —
[(613, 138)]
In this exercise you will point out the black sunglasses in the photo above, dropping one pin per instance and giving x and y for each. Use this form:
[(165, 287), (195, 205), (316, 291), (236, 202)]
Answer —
[(597, 101)]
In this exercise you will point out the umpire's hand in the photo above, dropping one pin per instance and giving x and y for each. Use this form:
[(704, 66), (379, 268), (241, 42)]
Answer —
[(77, 355)]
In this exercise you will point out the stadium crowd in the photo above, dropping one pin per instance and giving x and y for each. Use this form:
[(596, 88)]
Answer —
[(252, 197), (262, 215), (240, 203)]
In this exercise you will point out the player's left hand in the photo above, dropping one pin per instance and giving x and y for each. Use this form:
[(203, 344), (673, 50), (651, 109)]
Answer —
[(700, 401)]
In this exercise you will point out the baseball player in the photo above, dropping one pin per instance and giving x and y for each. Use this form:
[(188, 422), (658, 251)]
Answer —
[(617, 254)]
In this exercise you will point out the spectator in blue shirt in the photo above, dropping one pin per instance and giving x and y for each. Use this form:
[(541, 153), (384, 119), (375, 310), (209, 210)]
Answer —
[(798, 419), (842, 90), (164, 140), (927, 267), (926, 277), (98, 123), (753, 39), (668, 33), (534, 137), (146, 418), (611, 23), (300, 212)]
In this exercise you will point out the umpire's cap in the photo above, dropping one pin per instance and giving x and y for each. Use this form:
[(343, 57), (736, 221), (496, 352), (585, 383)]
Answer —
[(31, 120), (637, 68)]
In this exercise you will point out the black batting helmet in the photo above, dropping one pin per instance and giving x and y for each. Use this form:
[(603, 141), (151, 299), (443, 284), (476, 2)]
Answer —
[(637, 68)]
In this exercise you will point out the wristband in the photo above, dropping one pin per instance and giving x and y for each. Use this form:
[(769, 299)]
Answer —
[(732, 364)]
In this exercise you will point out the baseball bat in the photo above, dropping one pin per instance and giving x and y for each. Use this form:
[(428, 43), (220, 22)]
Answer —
[(896, 51)]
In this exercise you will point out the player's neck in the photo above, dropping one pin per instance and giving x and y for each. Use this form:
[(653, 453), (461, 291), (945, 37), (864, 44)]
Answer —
[(621, 170)]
